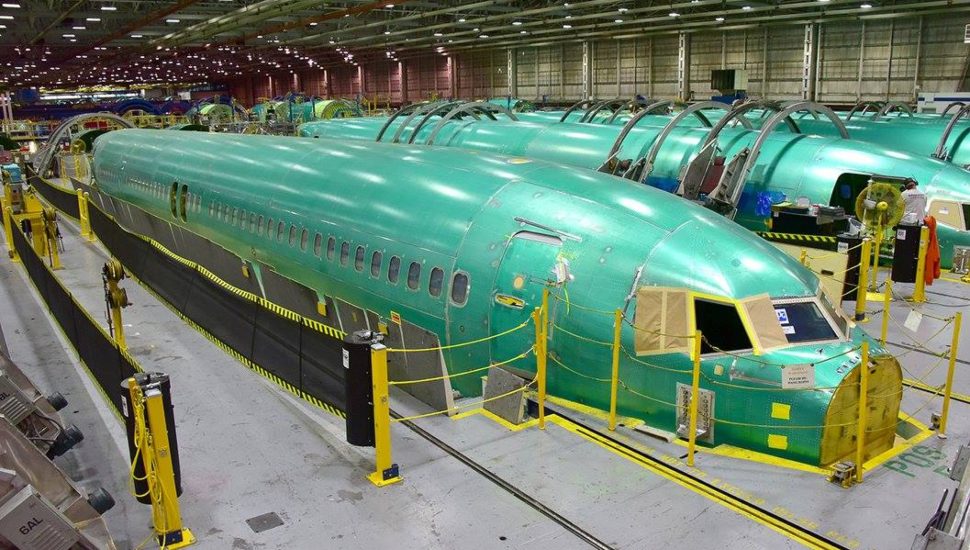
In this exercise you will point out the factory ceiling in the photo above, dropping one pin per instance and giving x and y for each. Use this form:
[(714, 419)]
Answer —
[(85, 42)]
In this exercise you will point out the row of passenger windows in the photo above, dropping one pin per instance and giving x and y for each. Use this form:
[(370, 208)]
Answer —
[(256, 223)]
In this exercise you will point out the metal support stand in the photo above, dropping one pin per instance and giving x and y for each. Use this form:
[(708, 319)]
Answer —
[(115, 299), (154, 451)]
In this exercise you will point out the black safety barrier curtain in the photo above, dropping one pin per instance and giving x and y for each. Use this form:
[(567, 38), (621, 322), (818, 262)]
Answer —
[(288, 349), (94, 347), (285, 348)]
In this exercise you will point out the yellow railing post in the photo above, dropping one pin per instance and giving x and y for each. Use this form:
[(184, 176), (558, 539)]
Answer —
[(541, 317), (919, 292), (615, 374), (877, 248), (948, 391), (83, 215), (8, 221), (803, 257), (887, 301), (863, 285), (863, 417), (382, 418), (694, 398)]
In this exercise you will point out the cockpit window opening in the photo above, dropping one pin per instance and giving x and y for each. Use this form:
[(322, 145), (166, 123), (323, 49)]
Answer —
[(721, 327), (803, 322)]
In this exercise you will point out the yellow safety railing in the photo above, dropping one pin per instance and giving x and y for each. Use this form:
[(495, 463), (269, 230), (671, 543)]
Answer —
[(690, 404)]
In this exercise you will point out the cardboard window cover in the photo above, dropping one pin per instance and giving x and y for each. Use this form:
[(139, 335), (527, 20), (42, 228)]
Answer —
[(661, 316), (764, 322)]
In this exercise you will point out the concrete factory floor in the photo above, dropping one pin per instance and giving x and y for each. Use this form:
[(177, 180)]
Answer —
[(248, 448)]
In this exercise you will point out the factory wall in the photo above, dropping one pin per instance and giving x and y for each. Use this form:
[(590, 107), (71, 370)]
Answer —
[(875, 60)]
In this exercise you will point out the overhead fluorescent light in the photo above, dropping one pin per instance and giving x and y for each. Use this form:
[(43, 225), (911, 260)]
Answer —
[(108, 8)]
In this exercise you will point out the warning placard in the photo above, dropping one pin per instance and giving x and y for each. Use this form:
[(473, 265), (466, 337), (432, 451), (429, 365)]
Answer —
[(798, 377)]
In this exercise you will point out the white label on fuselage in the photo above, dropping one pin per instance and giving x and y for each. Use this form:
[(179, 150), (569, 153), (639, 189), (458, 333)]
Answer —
[(798, 377), (346, 359)]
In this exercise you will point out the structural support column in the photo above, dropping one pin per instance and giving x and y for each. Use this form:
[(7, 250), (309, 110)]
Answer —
[(862, 56), (326, 84), (402, 70), (512, 70), (683, 67), (889, 61), (764, 63), (453, 75), (817, 89), (587, 69), (619, 89), (360, 79), (650, 67), (6, 102), (562, 72), (809, 59), (919, 55)]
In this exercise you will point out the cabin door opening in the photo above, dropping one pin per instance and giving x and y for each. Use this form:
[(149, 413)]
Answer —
[(847, 189), (528, 266)]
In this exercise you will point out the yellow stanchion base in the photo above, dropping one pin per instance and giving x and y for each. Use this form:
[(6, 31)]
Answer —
[(188, 539), (377, 478)]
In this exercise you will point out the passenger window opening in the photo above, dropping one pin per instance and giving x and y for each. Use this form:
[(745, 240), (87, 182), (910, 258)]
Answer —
[(292, 238), (232, 218), (331, 247), (394, 270), (414, 275), (359, 259), (344, 253), (721, 327), (280, 231), (304, 240), (317, 244), (459, 288), (259, 225), (242, 219), (252, 222), (375, 263), (436, 281), (172, 198)]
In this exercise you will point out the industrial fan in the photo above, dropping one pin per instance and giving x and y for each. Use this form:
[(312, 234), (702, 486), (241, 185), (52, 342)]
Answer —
[(879, 207)]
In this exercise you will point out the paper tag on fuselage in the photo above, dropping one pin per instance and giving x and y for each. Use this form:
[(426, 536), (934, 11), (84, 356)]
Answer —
[(913, 320), (346, 359), (798, 377)]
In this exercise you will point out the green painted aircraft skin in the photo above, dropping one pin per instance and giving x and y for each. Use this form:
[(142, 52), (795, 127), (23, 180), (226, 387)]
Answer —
[(795, 165), (458, 211)]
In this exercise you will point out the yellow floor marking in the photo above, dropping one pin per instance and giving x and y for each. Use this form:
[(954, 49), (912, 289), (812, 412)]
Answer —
[(727, 500)]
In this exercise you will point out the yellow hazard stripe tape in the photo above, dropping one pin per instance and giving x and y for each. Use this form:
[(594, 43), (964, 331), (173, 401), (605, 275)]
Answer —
[(797, 237), (737, 504)]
